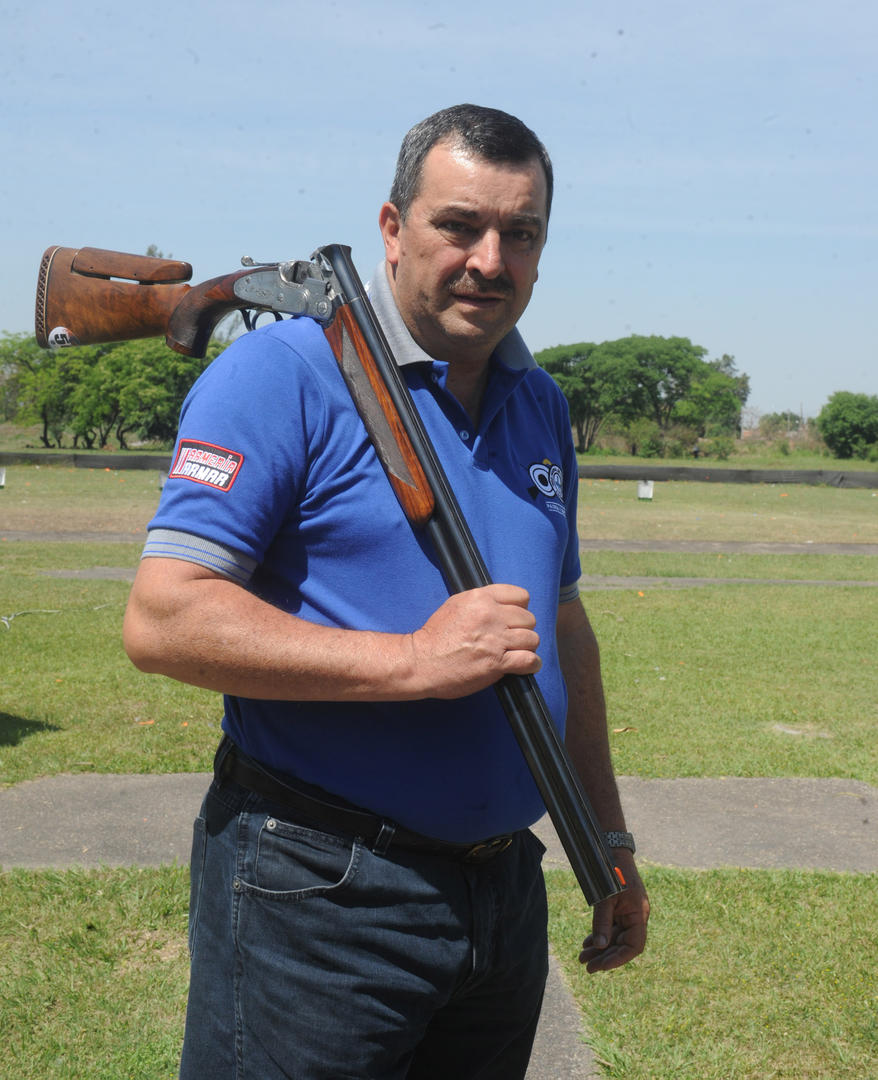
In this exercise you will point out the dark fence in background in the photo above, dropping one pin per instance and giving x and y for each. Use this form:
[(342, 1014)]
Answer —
[(832, 477), (700, 473), (161, 462)]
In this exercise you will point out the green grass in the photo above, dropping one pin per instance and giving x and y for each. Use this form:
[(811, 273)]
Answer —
[(17, 438), (794, 513), (778, 453), (72, 701), (731, 566), (749, 975), (61, 498), (122, 501), (95, 970), (740, 680)]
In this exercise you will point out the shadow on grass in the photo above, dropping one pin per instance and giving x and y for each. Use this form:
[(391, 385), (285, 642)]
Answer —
[(14, 729)]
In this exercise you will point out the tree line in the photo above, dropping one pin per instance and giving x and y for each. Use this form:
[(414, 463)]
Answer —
[(661, 394), (664, 397), (94, 394)]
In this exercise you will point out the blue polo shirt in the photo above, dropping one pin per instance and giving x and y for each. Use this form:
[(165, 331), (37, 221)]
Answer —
[(275, 484)]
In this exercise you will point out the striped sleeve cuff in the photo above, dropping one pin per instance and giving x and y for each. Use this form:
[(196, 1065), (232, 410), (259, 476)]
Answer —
[(568, 593), (170, 544)]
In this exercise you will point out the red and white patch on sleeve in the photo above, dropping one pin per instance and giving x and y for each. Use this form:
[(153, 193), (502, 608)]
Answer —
[(206, 464)]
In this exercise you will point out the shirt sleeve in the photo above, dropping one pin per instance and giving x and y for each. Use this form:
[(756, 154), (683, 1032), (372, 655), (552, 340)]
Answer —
[(174, 544), (248, 429)]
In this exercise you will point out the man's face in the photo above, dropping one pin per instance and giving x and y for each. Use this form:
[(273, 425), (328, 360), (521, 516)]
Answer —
[(464, 262)]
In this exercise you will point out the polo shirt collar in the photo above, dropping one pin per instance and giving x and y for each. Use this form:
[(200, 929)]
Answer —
[(511, 351)]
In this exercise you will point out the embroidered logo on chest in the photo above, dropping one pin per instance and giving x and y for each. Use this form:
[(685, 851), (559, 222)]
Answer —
[(548, 480)]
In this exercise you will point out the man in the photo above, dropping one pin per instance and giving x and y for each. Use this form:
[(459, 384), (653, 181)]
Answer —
[(367, 900)]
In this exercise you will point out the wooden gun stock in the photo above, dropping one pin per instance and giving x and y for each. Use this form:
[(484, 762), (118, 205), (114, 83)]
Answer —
[(86, 296)]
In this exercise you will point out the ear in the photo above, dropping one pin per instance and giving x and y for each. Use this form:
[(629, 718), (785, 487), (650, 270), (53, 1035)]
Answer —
[(390, 224)]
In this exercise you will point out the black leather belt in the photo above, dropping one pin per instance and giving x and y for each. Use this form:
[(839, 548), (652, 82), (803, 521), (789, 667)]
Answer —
[(380, 834)]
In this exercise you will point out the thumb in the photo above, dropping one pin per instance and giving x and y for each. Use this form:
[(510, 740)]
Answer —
[(601, 926)]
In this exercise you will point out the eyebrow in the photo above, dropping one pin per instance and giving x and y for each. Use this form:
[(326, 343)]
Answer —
[(471, 215)]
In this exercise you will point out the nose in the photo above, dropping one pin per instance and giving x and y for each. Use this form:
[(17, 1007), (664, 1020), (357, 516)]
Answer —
[(486, 255)]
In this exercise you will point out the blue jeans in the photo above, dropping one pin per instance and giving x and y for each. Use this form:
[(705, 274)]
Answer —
[(314, 957)]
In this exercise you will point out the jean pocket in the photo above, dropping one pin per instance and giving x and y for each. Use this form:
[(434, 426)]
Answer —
[(196, 876), (293, 862)]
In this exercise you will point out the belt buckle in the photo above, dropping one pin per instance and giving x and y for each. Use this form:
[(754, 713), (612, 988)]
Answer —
[(487, 849)]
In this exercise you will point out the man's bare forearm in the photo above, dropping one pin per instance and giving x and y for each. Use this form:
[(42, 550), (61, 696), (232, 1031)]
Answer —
[(197, 627), (209, 632), (586, 738), (619, 923)]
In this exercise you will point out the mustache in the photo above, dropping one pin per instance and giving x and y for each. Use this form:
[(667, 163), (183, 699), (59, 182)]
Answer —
[(467, 284)]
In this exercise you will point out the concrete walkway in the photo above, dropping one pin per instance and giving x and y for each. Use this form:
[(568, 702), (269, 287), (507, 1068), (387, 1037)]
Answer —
[(101, 820)]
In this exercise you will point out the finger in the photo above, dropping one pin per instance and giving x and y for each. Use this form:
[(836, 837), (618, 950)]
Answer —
[(521, 663), (518, 618), (602, 924), (508, 594), (521, 637), (623, 945), (615, 956)]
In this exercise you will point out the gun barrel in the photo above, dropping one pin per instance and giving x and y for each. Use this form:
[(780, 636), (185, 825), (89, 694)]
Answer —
[(464, 568)]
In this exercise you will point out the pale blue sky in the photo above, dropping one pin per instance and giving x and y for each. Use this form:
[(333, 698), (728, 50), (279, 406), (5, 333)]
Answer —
[(715, 163)]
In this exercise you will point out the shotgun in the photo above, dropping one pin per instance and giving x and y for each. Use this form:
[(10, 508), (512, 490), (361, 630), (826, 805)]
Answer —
[(87, 296)]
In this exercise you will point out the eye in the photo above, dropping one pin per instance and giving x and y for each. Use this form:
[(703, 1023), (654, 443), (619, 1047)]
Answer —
[(456, 228), (523, 239)]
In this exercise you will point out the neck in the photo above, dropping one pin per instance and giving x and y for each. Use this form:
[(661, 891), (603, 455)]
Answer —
[(467, 383)]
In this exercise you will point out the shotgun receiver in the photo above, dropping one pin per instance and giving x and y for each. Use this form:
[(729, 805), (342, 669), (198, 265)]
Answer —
[(327, 288)]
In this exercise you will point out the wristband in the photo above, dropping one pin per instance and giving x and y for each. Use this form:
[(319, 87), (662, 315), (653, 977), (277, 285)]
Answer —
[(620, 839)]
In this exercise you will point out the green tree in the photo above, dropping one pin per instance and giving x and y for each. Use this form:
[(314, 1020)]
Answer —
[(135, 388), (591, 386), (44, 381), (727, 366), (848, 423), (644, 438), (665, 381), (654, 373), (95, 392), (9, 383), (158, 380), (776, 424), (94, 399), (713, 404)]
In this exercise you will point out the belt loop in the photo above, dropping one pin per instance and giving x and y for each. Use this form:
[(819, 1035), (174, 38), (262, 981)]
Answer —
[(384, 838), (223, 758)]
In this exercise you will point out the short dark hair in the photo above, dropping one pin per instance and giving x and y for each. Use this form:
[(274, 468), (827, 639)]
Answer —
[(486, 133)]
